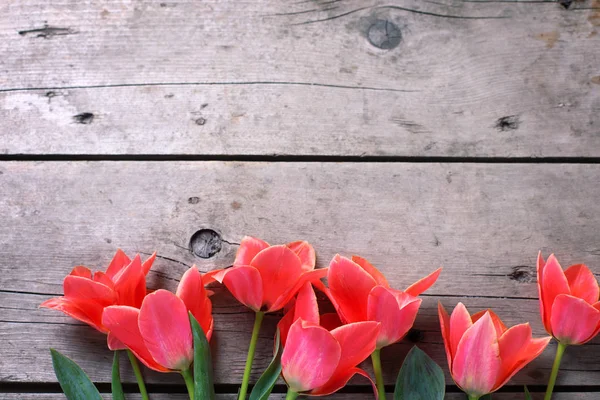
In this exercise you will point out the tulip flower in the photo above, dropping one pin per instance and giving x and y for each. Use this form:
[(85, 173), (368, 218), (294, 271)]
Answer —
[(317, 361), (159, 333), (569, 306), (483, 354), (360, 292), (87, 294), (265, 278)]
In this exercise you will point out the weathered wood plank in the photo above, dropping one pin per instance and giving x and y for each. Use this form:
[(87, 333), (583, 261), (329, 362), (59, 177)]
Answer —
[(483, 222), (304, 78)]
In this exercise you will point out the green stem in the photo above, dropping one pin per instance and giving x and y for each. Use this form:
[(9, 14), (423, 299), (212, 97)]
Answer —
[(138, 374), (376, 360), (291, 395), (250, 359), (189, 382), (473, 397), (560, 350)]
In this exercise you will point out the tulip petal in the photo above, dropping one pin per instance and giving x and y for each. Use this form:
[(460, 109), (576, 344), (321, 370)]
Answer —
[(119, 261), (330, 321), (245, 284), (445, 328), (313, 277), (573, 320), (81, 271), (498, 324), (279, 269), (554, 283), (357, 341), (114, 343), (249, 248), (583, 283), (165, 326), (146, 265), (102, 278), (540, 276), (460, 322), (310, 357), (306, 307), (371, 270), (90, 297), (396, 319), (517, 349), (350, 286), (339, 381), (130, 284), (424, 283), (72, 310), (477, 363), (305, 252), (122, 321), (191, 291)]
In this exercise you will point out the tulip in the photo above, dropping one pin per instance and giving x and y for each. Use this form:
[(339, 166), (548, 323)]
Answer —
[(483, 354), (265, 278), (87, 294), (317, 361), (159, 333), (569, 306), (360, 292)]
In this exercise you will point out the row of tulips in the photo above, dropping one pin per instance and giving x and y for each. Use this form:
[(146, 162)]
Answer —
[(316, 354)]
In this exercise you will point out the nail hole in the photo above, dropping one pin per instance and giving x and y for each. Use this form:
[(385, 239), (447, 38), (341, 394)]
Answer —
[(205, 243)]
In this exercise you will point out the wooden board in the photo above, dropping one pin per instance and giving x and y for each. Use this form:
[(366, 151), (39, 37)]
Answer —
[(402, 78), (483, 222)]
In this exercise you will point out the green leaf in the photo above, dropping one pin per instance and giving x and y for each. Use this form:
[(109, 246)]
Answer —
[(527, 394), (265, 383), (203, 371), (73, 381), (117, 388), (420, 378)]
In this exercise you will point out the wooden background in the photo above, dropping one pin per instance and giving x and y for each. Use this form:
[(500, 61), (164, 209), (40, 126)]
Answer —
[(415, 133)]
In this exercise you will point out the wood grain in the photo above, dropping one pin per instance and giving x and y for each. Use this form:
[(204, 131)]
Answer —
[(262, 78), (483, 222)]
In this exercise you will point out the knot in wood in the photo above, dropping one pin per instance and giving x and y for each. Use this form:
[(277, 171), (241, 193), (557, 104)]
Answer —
[(384, 34), (205, 243)]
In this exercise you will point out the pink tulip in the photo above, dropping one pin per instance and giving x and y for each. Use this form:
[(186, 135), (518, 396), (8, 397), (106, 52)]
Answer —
[(87, 294), (361, 293), (315, 360), (482, 353), (159, 333), (569, 303)]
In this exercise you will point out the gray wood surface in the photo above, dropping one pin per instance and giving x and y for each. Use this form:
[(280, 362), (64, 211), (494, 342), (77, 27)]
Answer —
[(483, 222), (453, 78)]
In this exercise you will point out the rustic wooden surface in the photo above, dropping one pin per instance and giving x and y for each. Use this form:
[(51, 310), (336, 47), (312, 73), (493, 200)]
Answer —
[(466, 79), (469, 138)]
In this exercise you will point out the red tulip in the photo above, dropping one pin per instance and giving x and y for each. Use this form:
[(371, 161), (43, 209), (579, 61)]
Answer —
[(569, 303), (263, 277), (361, 293), (482, 353), (87, 294), (160, 333), (315, 360)]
